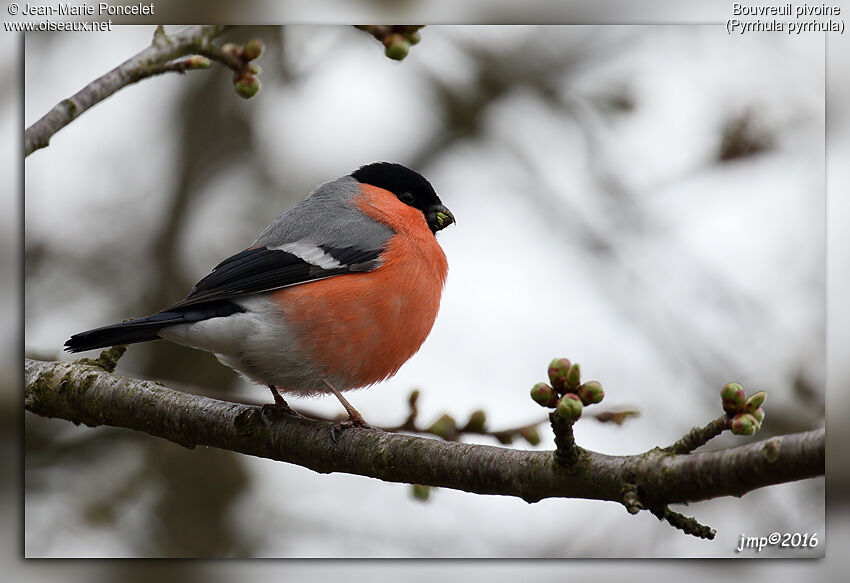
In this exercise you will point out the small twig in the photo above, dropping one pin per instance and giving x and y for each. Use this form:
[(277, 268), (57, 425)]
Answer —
[(630, 498), (182, 65), (507, 436), (409, 423), (107, 360), (566, 450), (616, 417), (699, 436), (453, 432), (147, 63), (448, 429), (229, 59), (686, 524)]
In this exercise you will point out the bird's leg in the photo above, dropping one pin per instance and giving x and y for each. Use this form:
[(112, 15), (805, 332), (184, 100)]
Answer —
[(281, 405), (355, 419)]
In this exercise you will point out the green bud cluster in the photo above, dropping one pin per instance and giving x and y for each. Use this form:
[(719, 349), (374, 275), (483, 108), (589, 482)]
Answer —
[(397, 45), (747, 414), (565, 392), (245, 80)]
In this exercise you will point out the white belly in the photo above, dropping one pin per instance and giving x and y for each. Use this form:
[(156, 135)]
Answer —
[(256, 343)]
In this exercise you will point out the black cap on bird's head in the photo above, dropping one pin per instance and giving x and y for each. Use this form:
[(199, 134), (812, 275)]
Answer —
[(410, 187)]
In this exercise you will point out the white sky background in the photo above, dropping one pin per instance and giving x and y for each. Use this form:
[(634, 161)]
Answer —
[(714, 272)]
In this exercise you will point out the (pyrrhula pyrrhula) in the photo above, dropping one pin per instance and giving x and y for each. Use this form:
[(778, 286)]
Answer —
[(336, 294)]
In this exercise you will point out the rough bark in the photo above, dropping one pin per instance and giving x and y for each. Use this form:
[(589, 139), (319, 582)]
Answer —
[(86, 393)]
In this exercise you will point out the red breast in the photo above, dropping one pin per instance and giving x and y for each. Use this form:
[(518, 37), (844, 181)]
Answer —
[(361, 327)]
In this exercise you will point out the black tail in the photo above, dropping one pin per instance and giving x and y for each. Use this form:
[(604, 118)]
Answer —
[(144, 329)]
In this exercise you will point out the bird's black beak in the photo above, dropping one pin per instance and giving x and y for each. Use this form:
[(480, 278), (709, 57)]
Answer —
[(439, 217)]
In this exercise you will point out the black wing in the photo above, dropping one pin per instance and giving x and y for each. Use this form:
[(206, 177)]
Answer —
[(261, 269)]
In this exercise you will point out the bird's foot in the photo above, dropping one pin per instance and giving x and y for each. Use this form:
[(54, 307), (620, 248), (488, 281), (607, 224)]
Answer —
[(279, 407), (276, 410), (352, 422), (355, 419), (272, 413)]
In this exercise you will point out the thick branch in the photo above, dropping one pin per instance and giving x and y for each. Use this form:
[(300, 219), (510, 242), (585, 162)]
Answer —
[(86, 393), (149, 62)]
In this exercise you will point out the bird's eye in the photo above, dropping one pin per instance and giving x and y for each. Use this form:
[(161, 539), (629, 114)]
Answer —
[(406, 198)]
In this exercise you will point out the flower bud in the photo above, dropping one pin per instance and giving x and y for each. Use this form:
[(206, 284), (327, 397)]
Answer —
[(477, 421), (574, 377), (558, 369), (397, 47), (744, 424), (733, 398), (531, 435), (252, 49), (544, 395), (198, 62), (505, 438), (759, 415), (569, 407), (230, 49), (755, 401), (421, 492), (591, 393), (413, 37), (247, 86), (445, 427)]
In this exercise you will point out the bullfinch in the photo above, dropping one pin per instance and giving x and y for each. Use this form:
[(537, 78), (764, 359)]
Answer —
[(336, 294)]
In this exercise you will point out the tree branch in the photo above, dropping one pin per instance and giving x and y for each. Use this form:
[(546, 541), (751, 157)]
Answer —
[(699, 436), (86, 393), (150, 62)]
